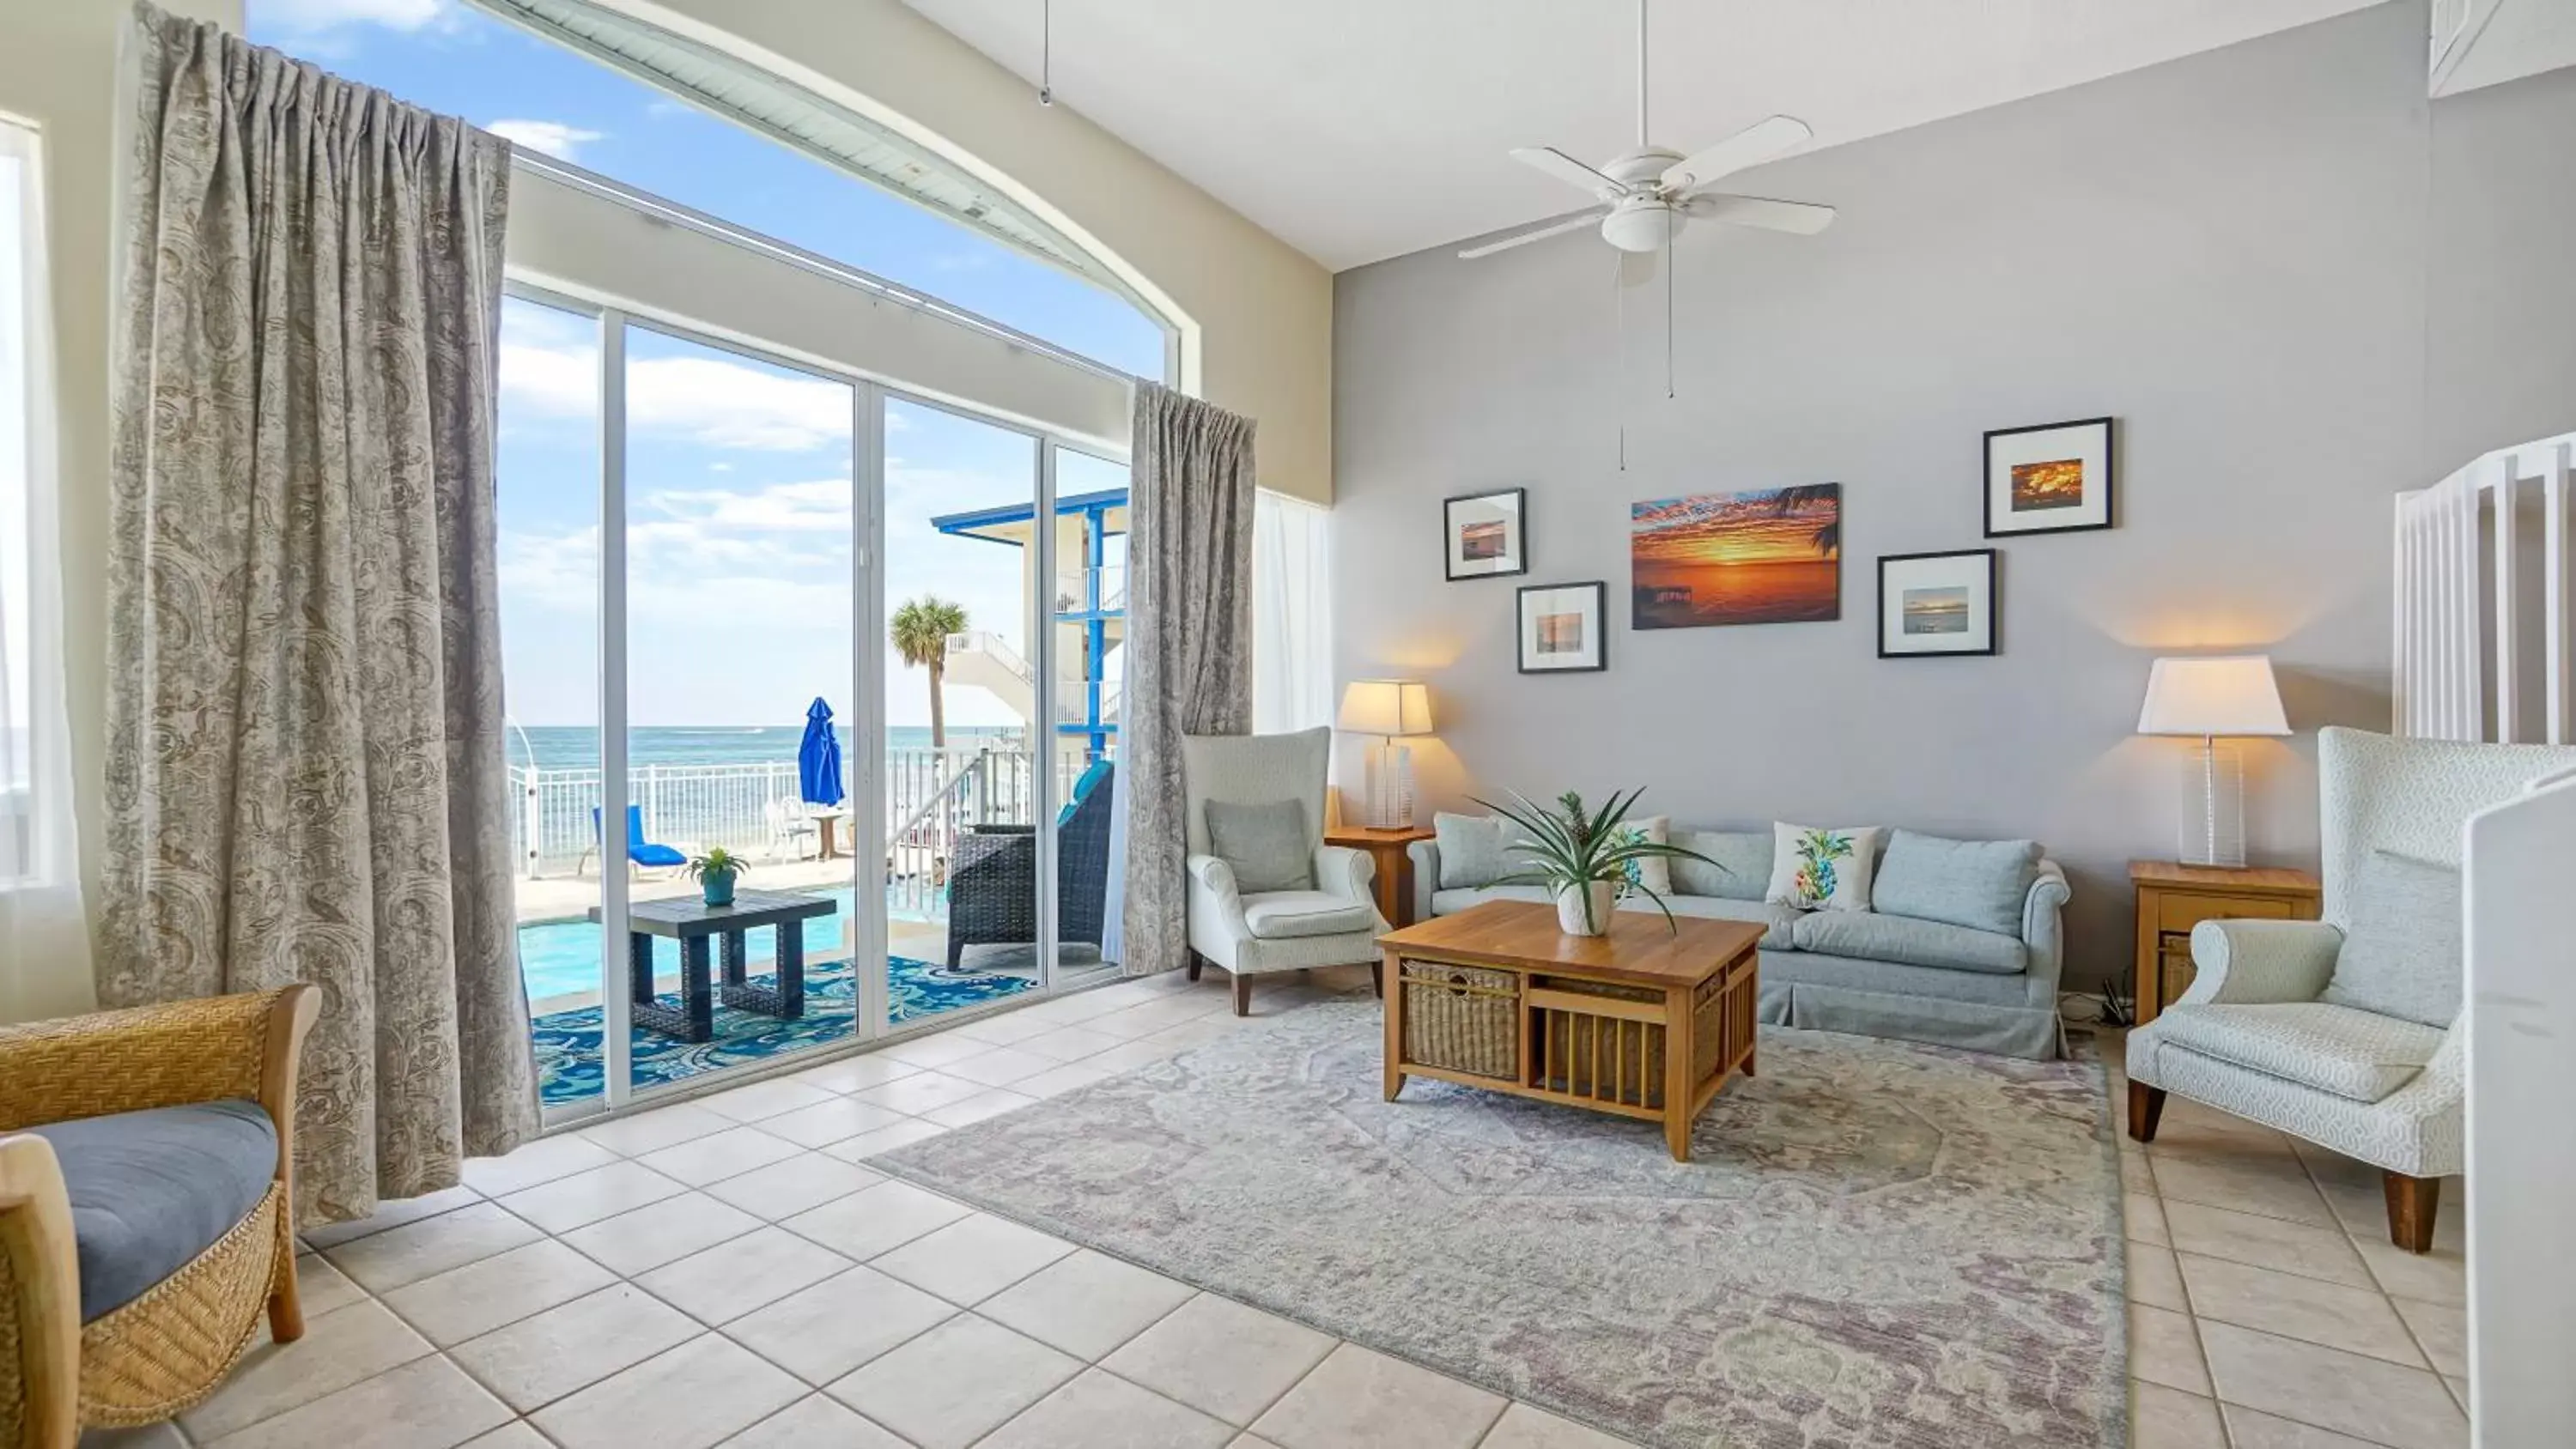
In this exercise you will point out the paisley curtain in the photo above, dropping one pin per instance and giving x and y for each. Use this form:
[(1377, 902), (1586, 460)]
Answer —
[(1189, 643), (305, 768)]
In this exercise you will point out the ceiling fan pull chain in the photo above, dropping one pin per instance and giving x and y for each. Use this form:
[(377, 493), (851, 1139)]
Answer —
[(1671, 280), (1046, 52), (1619, 346)]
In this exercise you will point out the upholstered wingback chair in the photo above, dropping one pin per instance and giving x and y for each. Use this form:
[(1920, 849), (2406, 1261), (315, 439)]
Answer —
[(2265, 1032), (1325, 918)]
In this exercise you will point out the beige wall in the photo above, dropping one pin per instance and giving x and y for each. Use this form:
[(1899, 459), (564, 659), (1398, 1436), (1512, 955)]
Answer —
[(1263, 311)]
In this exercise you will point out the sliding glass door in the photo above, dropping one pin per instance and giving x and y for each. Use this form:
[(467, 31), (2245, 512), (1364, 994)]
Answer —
[(864, 649)]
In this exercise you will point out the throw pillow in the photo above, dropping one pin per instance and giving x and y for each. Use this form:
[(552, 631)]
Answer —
[(1654, 873), (1980, 884), (2401, 951), (1826, 870), (1264, 844), (1472, 850)]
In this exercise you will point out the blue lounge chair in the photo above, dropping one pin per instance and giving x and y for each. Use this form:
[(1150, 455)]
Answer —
[(639, 851)]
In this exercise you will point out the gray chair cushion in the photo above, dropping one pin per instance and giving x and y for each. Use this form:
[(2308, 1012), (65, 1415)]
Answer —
[(2401, 950), (152, 1190), (1286, 915), (1873, 937), (1979, 884), (1746, 854), (1473, 849), (1265, 845), (2359, 1055)]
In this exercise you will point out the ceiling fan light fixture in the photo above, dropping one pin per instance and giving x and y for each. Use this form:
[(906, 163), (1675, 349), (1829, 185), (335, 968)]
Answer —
[(1641, 226)]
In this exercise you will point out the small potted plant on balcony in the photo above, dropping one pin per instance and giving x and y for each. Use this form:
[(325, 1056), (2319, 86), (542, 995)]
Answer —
[(1587, 858), (715, 871)]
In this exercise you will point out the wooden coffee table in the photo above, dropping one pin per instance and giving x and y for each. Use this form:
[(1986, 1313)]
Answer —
[(1647, 1021)]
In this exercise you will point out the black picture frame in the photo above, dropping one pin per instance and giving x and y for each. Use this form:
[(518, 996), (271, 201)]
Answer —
[(1994, 637), (1516, 549), (2087, 519), (1599, 609)]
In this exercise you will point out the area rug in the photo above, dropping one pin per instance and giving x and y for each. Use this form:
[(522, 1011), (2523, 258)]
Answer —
[(1875, 1244), (567, 1042)]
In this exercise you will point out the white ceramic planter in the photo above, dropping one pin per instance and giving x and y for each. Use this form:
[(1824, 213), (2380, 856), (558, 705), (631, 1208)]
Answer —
[(1569, 908)]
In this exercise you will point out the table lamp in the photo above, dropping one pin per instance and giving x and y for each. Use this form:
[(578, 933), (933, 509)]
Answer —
[(2214, 698), (1388, 709)]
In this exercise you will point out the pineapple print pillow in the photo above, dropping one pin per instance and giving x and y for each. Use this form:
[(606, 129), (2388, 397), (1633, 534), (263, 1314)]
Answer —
[(1825, 870), (1654, 872)]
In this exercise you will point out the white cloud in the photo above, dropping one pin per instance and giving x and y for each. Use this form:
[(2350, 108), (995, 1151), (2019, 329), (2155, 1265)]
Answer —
[(554, 138), (705, 400), (314, 16)]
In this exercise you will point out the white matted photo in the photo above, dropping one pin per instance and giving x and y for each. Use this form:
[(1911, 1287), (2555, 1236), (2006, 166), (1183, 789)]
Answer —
[(1483, 536), (2055, 478), (1561, 628), (1936, 604)]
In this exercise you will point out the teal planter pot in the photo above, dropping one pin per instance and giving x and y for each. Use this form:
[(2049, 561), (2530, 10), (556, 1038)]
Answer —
[(719, 889)]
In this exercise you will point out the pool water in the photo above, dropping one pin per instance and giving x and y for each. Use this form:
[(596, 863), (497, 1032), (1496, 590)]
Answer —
[(560, 958)]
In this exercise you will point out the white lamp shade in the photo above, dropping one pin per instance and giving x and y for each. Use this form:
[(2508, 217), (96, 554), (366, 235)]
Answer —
[(2230, 695), (1386, 707)]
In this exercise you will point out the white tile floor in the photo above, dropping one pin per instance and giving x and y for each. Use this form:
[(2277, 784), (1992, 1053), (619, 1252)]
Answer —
[(731, 1272)]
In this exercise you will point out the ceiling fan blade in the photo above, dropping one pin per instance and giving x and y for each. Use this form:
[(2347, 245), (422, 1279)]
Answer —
[(1802, 217), (1755, 143), (1549, 228), (1568, 170)]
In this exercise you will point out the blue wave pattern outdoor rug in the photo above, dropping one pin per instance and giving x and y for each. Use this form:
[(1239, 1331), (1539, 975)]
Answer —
[(1876, 1244), (567, 1042)]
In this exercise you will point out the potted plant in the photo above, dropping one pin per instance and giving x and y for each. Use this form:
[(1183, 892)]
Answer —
[(715, 871), (1585, 858)]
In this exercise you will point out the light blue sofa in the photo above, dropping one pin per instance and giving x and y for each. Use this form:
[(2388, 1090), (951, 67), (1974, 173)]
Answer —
[(1870, 972)]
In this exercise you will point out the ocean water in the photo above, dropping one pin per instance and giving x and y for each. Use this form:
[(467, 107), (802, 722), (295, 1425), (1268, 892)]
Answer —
[(576, 747)]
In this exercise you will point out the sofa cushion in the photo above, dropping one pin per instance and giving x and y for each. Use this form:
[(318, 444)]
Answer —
[(1775, 918), (2360, 1055), (1283, 915), (151, 1190), (1980, 884), (1451, 902), (1473, 850), (1265, 845), (1873, 937), (2401, 950), (1744, 854)]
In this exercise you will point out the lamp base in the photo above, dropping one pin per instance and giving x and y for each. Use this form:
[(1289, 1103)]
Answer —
[(1390, 786), (2213, 812)]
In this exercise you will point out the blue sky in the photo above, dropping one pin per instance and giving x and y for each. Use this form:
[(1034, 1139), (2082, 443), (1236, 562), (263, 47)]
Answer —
[(739, 498)]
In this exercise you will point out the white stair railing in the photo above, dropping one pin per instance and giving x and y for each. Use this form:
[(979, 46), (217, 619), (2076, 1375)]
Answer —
[(2480, 647)]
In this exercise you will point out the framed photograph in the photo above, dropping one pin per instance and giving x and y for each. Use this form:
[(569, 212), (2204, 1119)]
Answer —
[(1936, 603), (2055, 478), (1562, 628), (1483, 536), (1771, 556)]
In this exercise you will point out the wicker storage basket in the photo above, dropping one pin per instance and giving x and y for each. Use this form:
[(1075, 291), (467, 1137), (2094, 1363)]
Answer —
[(1601, 1057), (1462, 1018)]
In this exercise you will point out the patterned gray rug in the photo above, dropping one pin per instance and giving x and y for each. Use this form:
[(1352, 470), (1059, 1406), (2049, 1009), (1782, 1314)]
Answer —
[(1875, 1244)]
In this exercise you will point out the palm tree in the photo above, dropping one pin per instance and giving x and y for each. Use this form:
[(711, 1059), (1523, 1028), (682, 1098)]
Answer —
[(1799, 498), (920, 632)]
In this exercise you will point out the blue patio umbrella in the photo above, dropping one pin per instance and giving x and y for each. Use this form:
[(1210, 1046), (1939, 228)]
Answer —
[(818, 758)]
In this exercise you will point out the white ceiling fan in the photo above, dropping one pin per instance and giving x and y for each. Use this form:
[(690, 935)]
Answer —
[(1646, 195)]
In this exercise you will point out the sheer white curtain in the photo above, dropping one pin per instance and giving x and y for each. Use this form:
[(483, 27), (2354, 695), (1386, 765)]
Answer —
[(44, 937), (1292, 616)]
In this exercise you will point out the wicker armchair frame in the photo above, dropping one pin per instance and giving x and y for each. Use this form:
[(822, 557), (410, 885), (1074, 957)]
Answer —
[(992, 884), (167, 1350)]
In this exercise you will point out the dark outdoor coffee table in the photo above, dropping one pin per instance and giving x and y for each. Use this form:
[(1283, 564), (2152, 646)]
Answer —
[(692, 923)]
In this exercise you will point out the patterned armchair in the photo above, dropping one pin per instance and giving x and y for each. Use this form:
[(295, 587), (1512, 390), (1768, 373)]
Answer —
[(145, 1217), (1249, 933), (2254, 1035)]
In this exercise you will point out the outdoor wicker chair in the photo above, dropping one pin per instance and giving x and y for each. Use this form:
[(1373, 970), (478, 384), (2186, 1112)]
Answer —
[(145, 1212), (992, 884)]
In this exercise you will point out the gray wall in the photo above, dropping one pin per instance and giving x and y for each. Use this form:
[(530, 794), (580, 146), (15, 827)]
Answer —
[(2229, 253)]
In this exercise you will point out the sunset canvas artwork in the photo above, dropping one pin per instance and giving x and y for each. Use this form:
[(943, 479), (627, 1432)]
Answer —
[(2058, 483), (1771, 556)]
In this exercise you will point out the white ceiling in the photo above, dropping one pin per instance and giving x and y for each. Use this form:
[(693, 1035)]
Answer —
[(1363, 129)]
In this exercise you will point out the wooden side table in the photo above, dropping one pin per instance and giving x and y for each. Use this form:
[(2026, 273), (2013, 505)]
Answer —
[(1394, 863), (2173, 898)]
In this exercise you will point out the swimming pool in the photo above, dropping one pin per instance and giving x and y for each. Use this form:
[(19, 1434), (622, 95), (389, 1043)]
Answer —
[(560, 958)]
